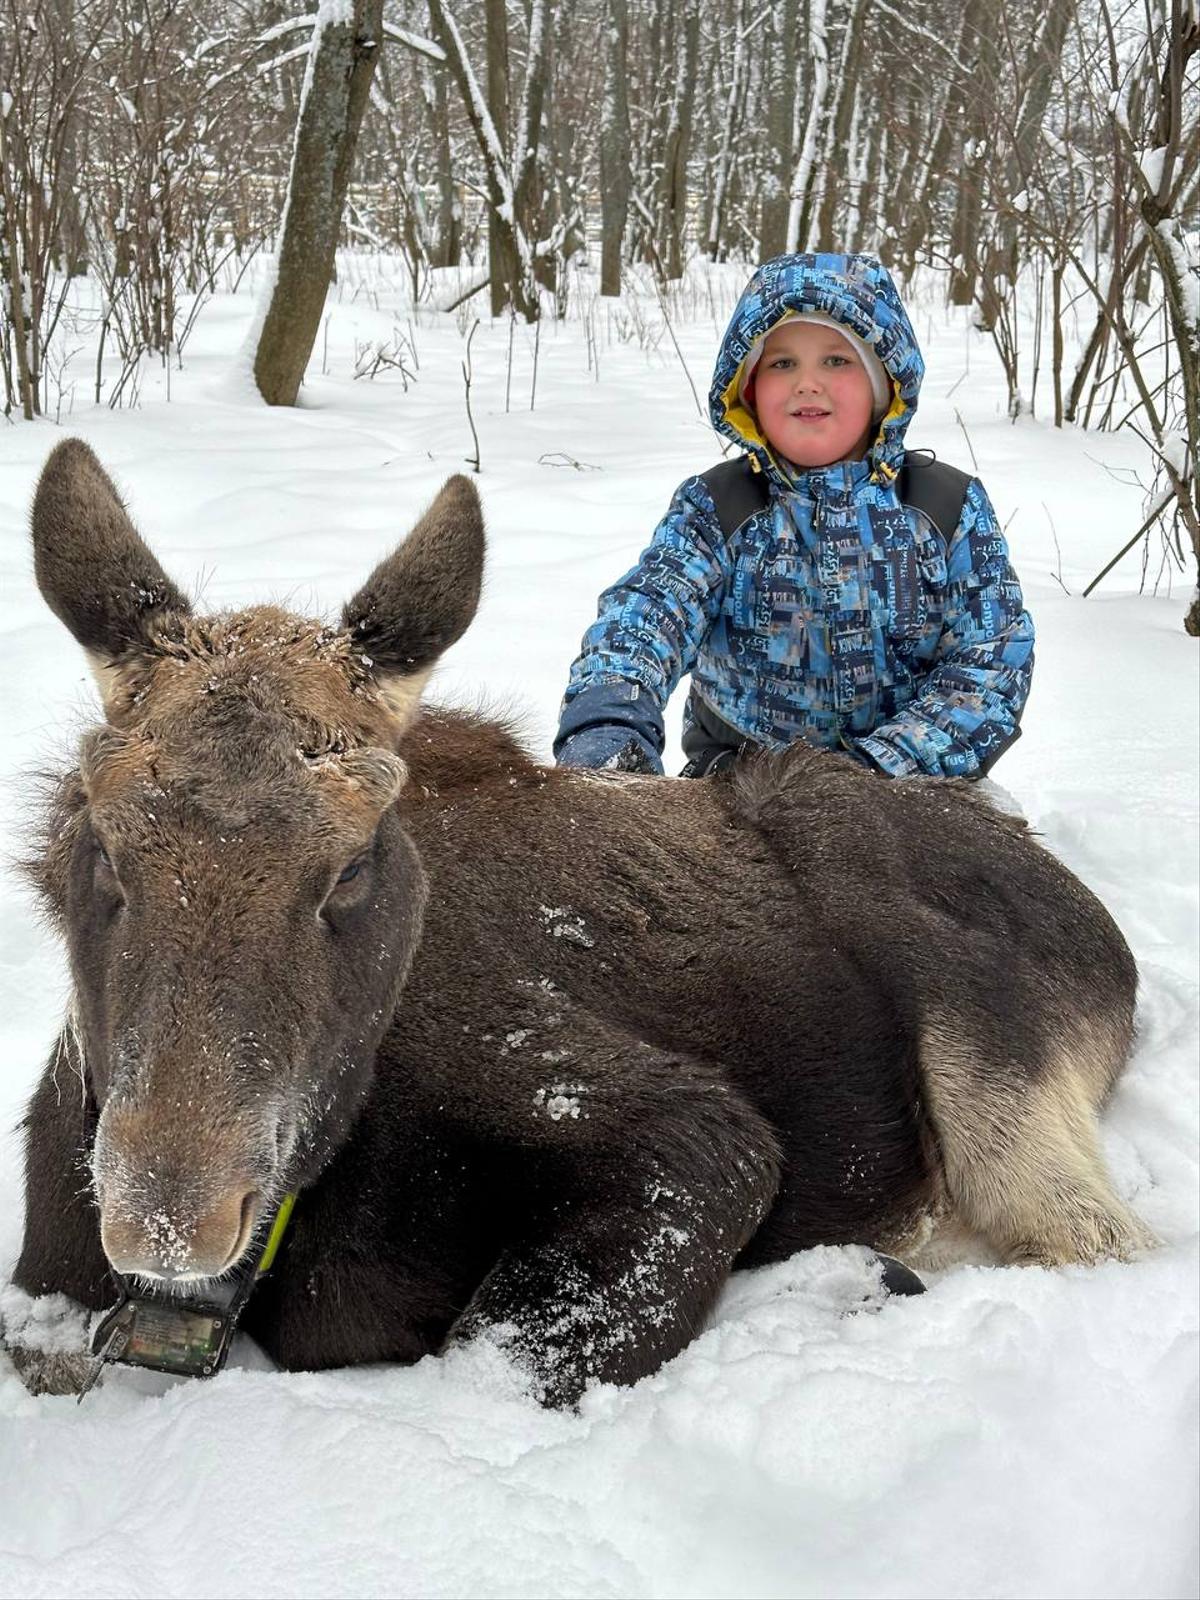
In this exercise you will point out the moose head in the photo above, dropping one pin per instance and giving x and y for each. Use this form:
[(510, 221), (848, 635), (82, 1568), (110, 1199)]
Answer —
[(238, 896)]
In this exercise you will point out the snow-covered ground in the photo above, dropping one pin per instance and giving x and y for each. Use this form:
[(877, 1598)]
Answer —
[(1014, 1432)]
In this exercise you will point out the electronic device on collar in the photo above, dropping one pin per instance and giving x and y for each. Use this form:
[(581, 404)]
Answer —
[(187, 1335)]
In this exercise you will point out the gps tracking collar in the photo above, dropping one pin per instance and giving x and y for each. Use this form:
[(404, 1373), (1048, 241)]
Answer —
[(188, 1336)]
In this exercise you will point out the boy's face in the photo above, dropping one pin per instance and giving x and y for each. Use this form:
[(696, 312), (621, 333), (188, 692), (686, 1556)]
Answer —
[(812, 396)]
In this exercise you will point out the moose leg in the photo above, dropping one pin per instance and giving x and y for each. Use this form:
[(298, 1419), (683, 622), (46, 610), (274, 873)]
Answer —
[(61, 1256), (382, 1252), (61, 1252), (1021, 1155), (649, 1180)]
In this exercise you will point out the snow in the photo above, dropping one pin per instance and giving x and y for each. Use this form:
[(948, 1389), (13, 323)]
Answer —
[(1151, 163), (1014, 1432)]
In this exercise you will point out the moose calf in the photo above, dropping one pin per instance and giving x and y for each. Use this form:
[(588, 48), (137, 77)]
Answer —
[(543, 1053)]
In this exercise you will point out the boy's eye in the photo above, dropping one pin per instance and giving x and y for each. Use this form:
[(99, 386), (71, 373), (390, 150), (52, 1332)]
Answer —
[(837, 361)]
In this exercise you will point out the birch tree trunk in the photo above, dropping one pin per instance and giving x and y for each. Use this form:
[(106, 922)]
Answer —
[(800, 205), (341, 62), (730, 121), (833, 177)]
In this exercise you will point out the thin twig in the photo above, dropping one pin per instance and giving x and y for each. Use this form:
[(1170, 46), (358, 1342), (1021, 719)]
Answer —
[(967, 437), (666, 318), (1057, 573), (472, 462), (1159, 504), (466, 295), (512, 323)]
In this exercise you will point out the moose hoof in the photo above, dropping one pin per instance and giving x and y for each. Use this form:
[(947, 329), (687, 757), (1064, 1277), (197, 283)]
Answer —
[(45, 1338), (51, 1372), (896, 1278)]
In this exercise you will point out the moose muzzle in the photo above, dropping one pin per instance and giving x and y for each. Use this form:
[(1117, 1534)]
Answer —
[(176, 1205)]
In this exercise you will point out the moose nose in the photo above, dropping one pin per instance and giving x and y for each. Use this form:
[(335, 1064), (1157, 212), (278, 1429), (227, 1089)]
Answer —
[(168, 1244)]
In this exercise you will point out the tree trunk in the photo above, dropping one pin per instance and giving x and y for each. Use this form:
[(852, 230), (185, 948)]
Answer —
[(528, 188), (933, 171), (780, 114), (672, 214), (341, 63), (803, 177), (10, 260), (449, 221), (834, 177), (72, 243), (614, 148), (510, 246), (730, 127), (979, 33), (1041, 68), (503, 261)]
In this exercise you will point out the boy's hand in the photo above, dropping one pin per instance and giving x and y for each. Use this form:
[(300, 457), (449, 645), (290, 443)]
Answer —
[(609, 747)]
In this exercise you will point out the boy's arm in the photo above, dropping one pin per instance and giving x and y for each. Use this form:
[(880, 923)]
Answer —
[(969, 706), (649, 627)]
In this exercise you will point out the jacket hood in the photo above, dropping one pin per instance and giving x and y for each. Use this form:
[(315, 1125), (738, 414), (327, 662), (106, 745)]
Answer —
[(855, 290)]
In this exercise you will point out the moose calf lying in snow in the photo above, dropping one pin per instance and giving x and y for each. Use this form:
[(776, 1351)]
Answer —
[(545, 1053)]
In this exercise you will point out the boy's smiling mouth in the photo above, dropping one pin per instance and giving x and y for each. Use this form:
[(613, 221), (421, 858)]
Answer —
[(809, 413)]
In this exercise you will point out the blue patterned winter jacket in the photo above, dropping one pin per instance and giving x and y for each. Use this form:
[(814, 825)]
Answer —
[(835, 614)]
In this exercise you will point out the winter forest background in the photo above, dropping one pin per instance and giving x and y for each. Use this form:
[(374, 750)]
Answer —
[(511, 234), (1042, 158)]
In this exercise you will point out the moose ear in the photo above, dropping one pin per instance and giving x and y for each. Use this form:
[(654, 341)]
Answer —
[(95, 572), (421, 599)]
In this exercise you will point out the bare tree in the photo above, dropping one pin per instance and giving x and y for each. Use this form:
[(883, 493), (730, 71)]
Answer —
[(44, 54), (614, 146), (1155, 144), (510, 159), (836, 169), (804, 176), (341, 62), (729, 124), (779, 113), (676, 143)]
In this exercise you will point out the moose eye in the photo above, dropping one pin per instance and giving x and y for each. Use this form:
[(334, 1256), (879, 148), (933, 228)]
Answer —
[(106, 886), (338, 905), (104, 868)]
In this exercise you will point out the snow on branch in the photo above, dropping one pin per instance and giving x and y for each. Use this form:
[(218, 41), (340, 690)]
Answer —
[(414, 41), (906, 22)]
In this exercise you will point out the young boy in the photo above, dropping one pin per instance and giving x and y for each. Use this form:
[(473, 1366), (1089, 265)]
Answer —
[(808, 590)]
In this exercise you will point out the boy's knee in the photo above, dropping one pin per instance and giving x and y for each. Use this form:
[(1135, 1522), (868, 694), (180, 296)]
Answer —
[(611, 747)]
